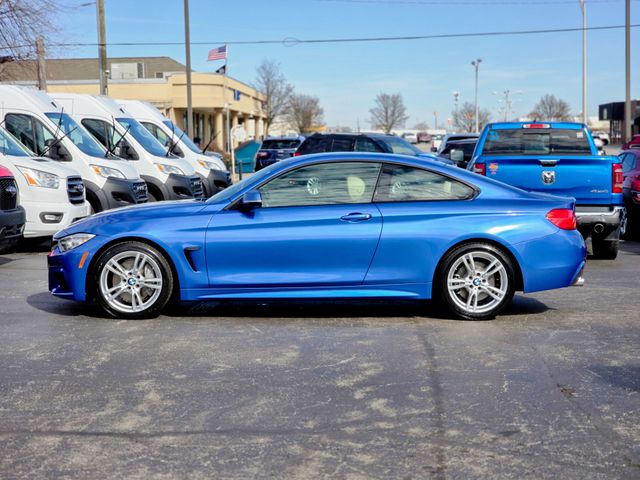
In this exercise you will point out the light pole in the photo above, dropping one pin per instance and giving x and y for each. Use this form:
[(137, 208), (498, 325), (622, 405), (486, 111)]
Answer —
[(102, 46), (456, 98), (187, 47), (583, 7), (627, 100), (476, 64)]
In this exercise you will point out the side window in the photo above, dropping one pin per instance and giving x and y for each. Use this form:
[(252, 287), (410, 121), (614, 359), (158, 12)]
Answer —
[(366, 145), (322, 184), (30, 131), (342, 144), (102, 131), (162, 137), (399, 183)]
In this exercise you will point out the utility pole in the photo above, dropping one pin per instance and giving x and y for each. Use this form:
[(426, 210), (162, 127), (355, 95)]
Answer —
[(435, 116), (187, 47), (476, 64), (42, 64), (583, 7), (627, 99), (102, 46), (456, 98)]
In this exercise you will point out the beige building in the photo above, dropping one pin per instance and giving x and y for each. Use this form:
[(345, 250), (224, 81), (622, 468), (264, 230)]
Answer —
[(162, 82)]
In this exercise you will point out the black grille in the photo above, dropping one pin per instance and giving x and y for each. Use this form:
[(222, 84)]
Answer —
[(196, 187), (75, 190), (8, 194), (140, 193)]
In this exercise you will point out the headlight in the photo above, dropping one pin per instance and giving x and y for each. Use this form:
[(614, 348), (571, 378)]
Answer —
[(38, 178), (169, 169), (107, 171), (210, 165), (73, 241)]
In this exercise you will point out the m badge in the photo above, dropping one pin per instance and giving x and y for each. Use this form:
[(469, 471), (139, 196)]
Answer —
[(548, 177)]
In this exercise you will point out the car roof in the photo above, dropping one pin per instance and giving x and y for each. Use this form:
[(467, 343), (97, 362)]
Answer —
[(353, 134), (512, 125)]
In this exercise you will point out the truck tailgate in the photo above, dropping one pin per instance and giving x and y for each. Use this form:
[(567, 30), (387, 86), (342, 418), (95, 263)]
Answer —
[(586, 178)]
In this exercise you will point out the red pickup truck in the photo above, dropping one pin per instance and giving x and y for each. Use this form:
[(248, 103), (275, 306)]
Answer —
[(12, 215)]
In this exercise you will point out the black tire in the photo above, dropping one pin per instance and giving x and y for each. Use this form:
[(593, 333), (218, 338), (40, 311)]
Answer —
[(605, 249), (8, 246), (155, 306), (151, 197), (507, 276)]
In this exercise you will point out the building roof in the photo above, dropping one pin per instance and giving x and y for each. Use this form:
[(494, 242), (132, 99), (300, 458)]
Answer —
[(70, 69)]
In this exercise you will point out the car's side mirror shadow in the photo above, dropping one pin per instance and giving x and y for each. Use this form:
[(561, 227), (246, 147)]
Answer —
[(251, 199)]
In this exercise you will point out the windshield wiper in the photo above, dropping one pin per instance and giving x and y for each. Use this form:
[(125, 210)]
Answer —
[(174, 145), (57, 141), (210, 142), (115, 145)]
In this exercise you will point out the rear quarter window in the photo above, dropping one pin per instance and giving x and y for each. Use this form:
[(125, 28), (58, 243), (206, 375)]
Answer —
[(543, 141)]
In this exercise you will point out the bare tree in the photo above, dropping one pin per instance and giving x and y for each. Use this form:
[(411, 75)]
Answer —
[(464, 118), (271, 82), (551, 108), (388, 112), (421, 126), (304, 112)]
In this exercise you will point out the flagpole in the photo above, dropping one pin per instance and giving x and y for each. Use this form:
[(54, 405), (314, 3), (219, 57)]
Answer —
[(228, 121)]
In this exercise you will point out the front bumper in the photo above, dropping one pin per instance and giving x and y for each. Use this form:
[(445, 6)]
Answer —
[(12, 223), (216, 180), (180, 187), (119, 192), (43, 220), (601, 222)]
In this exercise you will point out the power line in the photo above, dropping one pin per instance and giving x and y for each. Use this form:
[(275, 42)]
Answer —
[(292, 41), (467, 3)]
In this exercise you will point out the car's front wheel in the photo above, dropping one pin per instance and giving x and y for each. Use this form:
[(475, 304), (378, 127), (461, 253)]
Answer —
[(133, 280), (477, 281)]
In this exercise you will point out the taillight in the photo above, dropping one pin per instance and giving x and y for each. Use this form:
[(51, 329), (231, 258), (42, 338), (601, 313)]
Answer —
[(635, 189), (262, 154), (480, 168), (563, 218), (297, 154), (536, 125), (616, 178)]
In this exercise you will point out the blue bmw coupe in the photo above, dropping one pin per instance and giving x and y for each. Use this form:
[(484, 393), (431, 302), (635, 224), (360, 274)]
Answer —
[(336, 225)]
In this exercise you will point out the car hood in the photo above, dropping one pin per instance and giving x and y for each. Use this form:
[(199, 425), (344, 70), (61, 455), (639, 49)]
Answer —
[(146, 212)]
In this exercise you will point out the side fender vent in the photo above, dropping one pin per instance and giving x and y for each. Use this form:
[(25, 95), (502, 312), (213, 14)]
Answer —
[(188, 253)]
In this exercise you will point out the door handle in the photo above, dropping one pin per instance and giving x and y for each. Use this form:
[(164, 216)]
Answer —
[(356, 217)]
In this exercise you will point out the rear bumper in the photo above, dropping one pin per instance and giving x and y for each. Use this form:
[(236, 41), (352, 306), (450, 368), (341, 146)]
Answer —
[(12, 224), (600, 222)]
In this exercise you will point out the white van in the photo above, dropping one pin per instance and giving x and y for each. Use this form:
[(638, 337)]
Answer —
[(41, 125), (211, 169), (51, 193), (168, 177)]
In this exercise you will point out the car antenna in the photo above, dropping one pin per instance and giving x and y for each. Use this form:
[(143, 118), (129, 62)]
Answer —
[(210, 142)]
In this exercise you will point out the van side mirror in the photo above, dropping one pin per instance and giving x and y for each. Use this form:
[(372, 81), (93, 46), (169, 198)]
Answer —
[(125, 150), (251, 199), (457, 156), (57, 151), (176, 150)]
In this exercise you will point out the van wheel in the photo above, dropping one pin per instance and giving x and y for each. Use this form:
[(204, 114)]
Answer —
[(151, 197), (477, 281), (133, 281), (605, 249)]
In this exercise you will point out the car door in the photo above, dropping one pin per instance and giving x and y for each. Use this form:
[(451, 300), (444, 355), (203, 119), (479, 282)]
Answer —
[(316, 227), (421, 210)]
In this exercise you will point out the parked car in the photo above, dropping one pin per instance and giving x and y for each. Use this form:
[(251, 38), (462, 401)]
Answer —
[(410, 137), (436, 140), (51, 193), (558, 158), (633, 143), (424, 137), (362, 142), (630, 160), (459, 151), (12, 215), (312, 227), (604, 136), (451, 137), (212, 170), (45, 128), (275, 149)]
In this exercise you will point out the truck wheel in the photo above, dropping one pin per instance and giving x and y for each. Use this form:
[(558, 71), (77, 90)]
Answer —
[(133, 281), (477, 281), (605, 249)]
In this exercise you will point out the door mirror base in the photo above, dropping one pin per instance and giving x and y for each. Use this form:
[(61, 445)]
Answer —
[(251, 199)]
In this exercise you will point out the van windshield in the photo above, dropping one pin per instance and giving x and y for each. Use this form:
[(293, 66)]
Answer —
[(78, 135), (143, 137), (10, 146), (185, 138)]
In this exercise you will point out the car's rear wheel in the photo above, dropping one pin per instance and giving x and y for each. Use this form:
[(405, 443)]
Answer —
[(605, 249), (133, 280), (477, 281)]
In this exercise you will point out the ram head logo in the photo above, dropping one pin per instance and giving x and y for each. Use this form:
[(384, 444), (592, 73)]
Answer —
[(548, 177)]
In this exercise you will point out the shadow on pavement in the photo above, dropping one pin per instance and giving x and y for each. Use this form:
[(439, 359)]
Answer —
[(624, 376), (46, 302), (5, 260)]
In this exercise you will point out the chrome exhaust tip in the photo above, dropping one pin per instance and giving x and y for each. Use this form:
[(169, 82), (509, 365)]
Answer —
[(598, 228)]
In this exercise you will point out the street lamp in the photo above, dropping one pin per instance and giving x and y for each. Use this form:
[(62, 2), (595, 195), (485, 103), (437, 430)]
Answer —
[(456, 98), (476, 65), (583, 7)]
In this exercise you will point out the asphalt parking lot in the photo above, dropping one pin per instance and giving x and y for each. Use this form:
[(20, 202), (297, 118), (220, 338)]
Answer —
[(341, 390)]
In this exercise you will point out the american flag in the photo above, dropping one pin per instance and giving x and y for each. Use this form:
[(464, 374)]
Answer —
[(219, 53)]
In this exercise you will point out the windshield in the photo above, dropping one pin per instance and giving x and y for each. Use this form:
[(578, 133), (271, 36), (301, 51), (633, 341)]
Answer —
[(526, 141), (80, 138), (10, 146), (184, 137), (398, 145), (143, 137), (280, 144)]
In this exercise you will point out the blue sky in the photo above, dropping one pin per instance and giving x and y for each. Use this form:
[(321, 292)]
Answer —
[(347, 77)]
